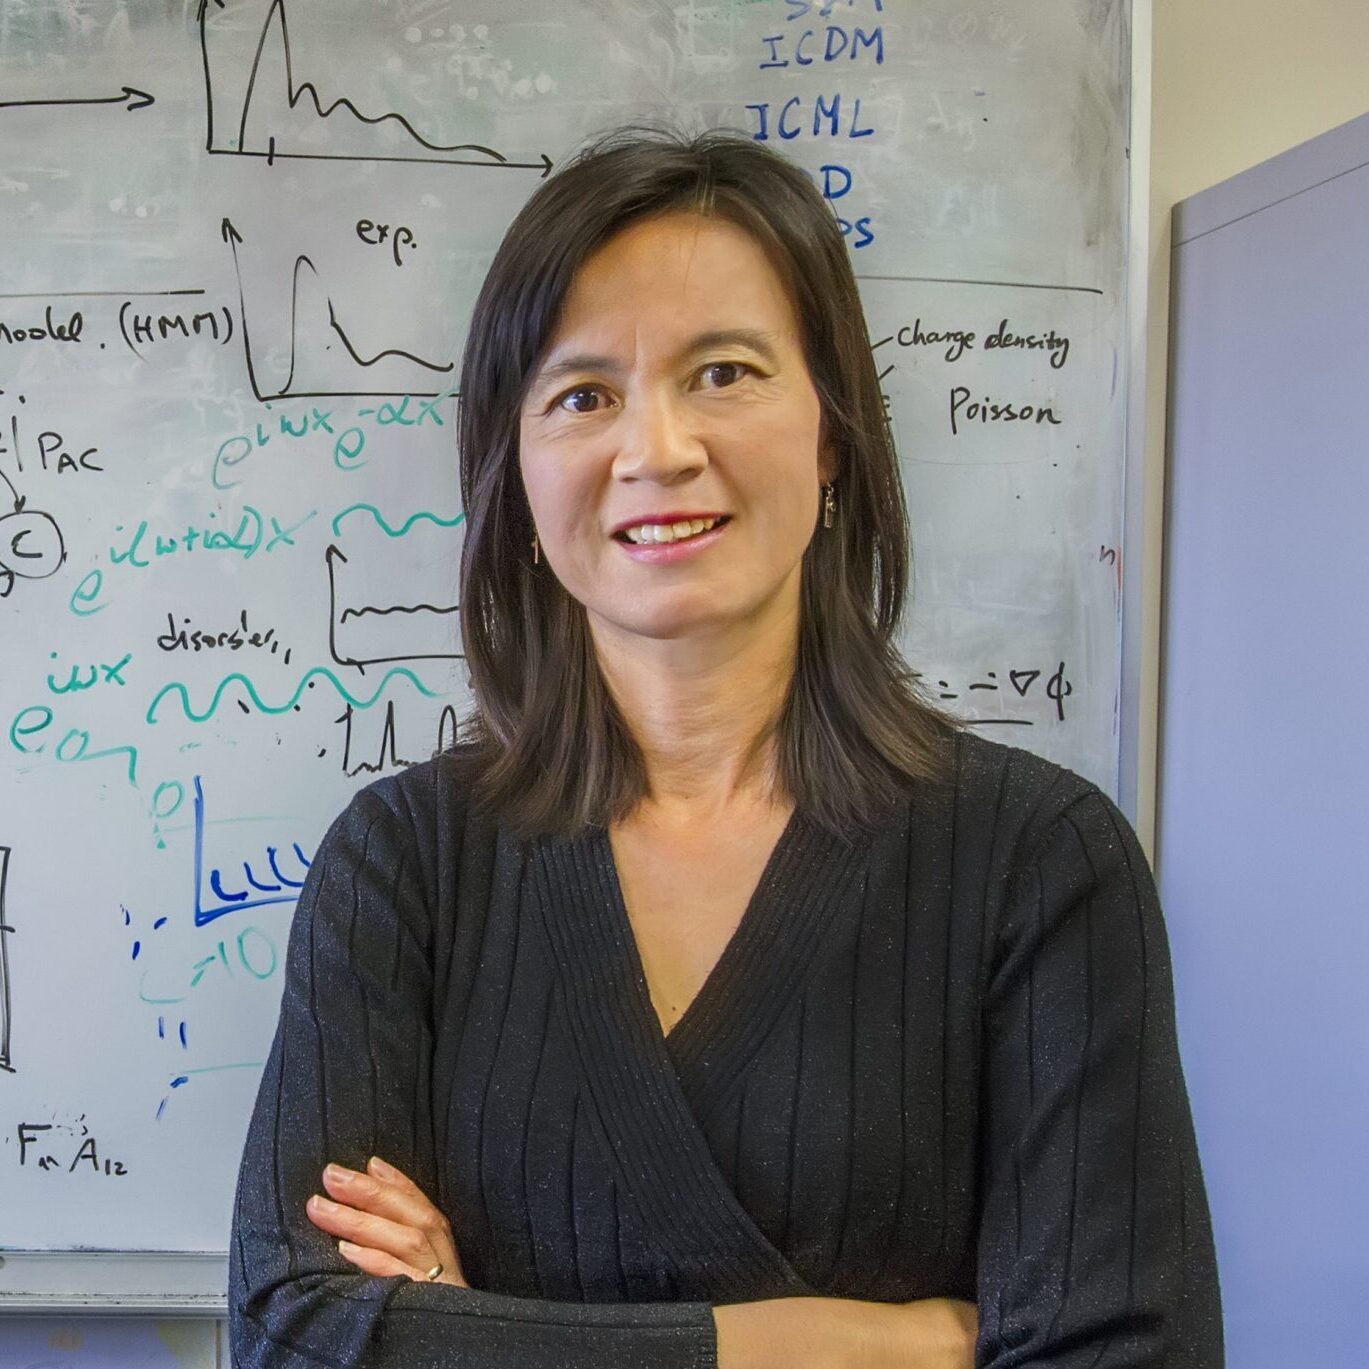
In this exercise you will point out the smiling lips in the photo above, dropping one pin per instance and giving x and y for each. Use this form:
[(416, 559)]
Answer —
[(669, 530), (658, 543), (665, 518)]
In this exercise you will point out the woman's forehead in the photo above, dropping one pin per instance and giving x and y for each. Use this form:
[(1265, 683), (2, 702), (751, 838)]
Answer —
[(680, 247), (675, 277)]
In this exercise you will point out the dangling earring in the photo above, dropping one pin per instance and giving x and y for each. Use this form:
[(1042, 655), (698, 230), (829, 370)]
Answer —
[(829, 506), (535, 549)]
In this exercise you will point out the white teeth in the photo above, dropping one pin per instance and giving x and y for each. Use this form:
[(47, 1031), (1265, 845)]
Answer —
[(668, 532)]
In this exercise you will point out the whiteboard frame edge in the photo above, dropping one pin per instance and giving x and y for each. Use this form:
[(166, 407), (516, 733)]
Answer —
[(114, 1283), (1136, 769)]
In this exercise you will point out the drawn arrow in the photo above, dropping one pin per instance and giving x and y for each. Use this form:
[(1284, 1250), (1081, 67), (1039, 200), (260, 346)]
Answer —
[(137, 99), (232, 237), (18, 498)]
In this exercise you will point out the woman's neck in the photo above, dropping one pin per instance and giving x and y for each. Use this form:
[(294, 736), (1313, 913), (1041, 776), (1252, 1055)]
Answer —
[(703, 713)]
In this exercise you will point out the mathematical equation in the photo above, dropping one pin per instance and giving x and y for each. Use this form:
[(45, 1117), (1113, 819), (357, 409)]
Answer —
[(1027, 684), (63, 1147)]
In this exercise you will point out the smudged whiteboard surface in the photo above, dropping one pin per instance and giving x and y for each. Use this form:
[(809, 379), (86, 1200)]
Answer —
[(241, 249)]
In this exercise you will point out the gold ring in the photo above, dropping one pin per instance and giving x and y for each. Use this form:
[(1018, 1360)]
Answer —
[(434, 1272)]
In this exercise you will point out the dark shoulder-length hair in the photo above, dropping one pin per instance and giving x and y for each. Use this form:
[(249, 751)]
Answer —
[(549, 749)]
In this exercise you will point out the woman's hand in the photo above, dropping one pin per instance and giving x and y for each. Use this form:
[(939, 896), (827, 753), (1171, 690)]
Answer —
[(385, 1224)]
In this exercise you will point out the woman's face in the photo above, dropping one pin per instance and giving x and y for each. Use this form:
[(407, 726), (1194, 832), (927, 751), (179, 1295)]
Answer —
[(674, 389)]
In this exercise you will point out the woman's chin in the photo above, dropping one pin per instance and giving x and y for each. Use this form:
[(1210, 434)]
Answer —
[(665, 623)]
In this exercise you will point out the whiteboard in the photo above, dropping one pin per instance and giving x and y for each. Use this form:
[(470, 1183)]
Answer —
[(243, 240)]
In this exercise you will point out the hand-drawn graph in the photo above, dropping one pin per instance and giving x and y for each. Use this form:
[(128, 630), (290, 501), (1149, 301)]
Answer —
[(324, 360), (362, 632), (221, 890), (365, 634), (361, 738), (253, 98), (5, 930)]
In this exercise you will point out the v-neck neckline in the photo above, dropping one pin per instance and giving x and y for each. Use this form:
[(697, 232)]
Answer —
[(720, 980), (650, 1094), (810, 877)]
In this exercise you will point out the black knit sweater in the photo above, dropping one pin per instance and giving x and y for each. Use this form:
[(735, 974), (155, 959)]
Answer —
[(935, 1061)]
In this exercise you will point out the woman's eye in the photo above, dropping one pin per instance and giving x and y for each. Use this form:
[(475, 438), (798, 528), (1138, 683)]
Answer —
[(731, 372), (570, 401)]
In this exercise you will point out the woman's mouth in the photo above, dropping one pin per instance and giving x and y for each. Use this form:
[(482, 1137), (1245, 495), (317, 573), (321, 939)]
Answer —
[(657, 543)]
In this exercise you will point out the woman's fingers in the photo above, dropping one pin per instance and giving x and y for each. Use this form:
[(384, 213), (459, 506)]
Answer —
[(386, 1266), (384, 1211), (411, 1201), (407, 1243), (389, 1174), (383, 1197)]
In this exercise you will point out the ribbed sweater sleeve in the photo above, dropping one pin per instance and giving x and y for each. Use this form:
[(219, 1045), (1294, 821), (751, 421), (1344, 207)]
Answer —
[(348, 1077), (1095, 1247)]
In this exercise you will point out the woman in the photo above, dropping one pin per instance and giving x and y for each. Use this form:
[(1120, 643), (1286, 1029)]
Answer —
[(718, 1002)]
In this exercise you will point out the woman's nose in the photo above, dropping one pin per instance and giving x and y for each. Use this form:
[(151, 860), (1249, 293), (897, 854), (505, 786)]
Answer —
[(656, 440)]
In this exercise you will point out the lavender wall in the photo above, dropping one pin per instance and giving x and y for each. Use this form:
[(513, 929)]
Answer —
[(1263, 832)]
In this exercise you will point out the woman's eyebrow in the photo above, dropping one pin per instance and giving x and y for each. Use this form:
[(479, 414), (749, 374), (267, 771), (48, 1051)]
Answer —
[(758, 341)]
